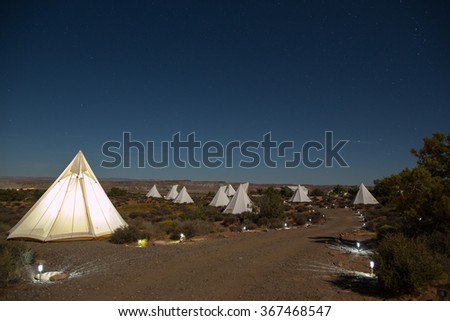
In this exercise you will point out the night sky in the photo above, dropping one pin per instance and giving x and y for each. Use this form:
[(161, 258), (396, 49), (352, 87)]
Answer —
[(76, 74)]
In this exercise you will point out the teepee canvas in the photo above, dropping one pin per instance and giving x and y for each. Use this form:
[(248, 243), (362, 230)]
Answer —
[(364, 196), (153, 192), (74, 207), (220, 199), (183, 197), (294, 188), (230, 190), (299, 195), (240, 202), (173, 193)]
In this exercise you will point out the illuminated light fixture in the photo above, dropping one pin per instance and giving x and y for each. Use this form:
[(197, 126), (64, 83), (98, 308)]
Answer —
[(182, 237), (142, 243), (358, 246), (40, 270), (371, 264)]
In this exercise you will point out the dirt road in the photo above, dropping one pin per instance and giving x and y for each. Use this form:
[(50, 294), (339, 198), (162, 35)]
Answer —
[(294, 264)]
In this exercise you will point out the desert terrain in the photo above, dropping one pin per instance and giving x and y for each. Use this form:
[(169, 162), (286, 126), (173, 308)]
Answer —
[(287, 264)]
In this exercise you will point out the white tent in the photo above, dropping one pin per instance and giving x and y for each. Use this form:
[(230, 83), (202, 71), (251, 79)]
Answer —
[(183, 197), (299, 195), (364, 196), (153, 192), (240, 202), (220, 199), (230, 190), (173, 193), (294, 188), (74, 207)]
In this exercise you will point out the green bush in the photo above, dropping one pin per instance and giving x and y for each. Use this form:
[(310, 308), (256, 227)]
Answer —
[(270, 204), (14, 257), (405, 265), (384, 230), (127, 234), (168, 226), (117, 192)]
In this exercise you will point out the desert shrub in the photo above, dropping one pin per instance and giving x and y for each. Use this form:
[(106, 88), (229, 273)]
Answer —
[(168, 226), (286, 192), (301, 208), (317, 192), (14, 257), (276, 223), (192, 228), (126, 234), (117, 192), (300, 219), (12, 195), (404, 265), (229, 219), (263, 221), (270, 204), (439, 242), (384, 230), (213, 214)]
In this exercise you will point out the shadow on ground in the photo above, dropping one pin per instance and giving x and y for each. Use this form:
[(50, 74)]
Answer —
[(359, 284), (367, 244)]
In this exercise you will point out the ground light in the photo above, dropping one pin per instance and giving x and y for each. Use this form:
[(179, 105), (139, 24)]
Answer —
[(358, 246), (40, 270), (371, 264), (142, 243)]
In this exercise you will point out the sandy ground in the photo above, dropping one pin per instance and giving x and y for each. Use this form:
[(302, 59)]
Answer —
[(294, 264)]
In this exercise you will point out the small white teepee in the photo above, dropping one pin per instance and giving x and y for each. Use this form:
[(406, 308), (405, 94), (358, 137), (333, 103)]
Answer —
[(220, 199), (364, 196), (183, 197), (230, 190), (173, 193), (294, 188), (299, 196), (74, 207), (240, 202), (153, 192)]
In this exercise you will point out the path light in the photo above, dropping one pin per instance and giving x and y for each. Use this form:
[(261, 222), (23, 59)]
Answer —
[(372, 264), (142, 243), (358, 246), (40, 270)]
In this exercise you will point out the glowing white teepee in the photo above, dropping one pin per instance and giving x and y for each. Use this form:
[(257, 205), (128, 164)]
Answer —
[(230, 190), (173, 193), (240, 202), (364, 196), (220, 199), (299, 195), (74, 207), (183, 197), (153, 192)]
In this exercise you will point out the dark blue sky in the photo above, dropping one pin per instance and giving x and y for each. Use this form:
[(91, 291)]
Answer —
[(75, 74)]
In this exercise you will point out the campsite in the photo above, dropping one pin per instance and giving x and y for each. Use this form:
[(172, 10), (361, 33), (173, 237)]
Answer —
[(74, 241), (226, 263)]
